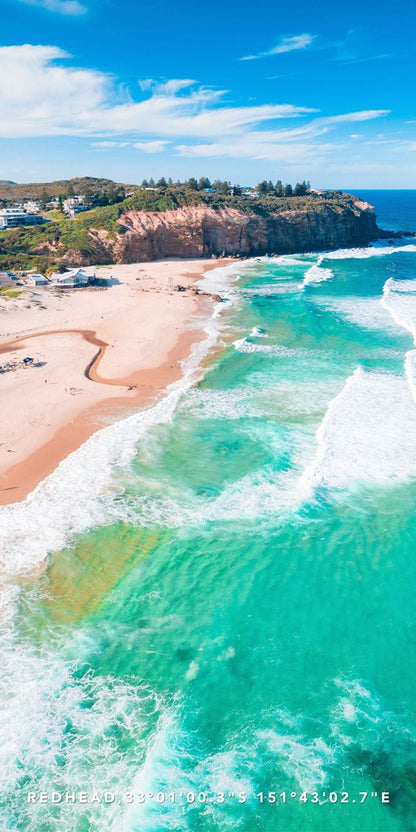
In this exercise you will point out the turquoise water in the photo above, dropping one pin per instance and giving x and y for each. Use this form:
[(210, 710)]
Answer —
[(230, 627)]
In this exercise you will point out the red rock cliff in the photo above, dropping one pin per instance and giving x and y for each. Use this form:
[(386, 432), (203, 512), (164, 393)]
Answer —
[(202, 231)]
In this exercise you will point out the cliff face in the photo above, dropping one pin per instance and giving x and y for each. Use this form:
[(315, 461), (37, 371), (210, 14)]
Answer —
[(202, 231)]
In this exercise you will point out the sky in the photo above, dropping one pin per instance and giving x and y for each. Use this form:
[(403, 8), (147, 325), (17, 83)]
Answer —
[(232, 90)]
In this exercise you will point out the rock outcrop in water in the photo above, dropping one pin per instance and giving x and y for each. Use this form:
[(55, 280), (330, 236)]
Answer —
[(201, 231)]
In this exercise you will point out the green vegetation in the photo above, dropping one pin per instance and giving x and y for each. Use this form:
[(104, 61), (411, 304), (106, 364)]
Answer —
[(44, 191), (7, 293)]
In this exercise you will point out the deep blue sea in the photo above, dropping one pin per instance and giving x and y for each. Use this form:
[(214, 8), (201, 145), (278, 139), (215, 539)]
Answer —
[(396, 210), (222, 635)]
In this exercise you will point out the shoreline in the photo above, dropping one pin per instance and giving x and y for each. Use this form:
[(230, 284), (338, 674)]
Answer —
[(141, 345)]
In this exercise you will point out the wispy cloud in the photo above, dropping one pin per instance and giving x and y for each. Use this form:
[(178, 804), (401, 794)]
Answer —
[(287, 145), (152, 147), (359, 115), (287, 44), (155, 146), (41, 94), (108, 145), (66, 7)]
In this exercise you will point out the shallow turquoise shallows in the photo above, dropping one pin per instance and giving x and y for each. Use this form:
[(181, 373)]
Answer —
[(227, 642)]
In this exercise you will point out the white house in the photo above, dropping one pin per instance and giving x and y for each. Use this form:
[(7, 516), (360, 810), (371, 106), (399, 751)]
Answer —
[(14, 217), (74, 205), (73, 279), (31, 207), (37, 280)]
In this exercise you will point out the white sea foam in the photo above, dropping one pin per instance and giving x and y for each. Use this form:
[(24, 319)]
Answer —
[(222, 280), (288, 260), (316, 274), (67, 733), (268, 290), (399, 299), (368, 434), (365, 252), (360, 719), (306, 762), (257, 332), (221, 404), (242, 345), (365, 312)]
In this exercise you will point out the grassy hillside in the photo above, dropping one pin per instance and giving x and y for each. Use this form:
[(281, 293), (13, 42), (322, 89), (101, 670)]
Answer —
[(11, 191)]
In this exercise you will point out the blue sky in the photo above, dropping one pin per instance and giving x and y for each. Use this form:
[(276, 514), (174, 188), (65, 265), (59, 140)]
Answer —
[(321, 91)]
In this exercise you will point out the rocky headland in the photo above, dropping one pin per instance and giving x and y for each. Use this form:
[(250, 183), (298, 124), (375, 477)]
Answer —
[(201, 231), (233, 228)]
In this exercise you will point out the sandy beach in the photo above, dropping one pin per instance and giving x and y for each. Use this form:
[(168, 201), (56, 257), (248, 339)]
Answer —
[(98, 354)]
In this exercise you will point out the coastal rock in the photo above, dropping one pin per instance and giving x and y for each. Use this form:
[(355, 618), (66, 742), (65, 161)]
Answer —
[(202, 232)]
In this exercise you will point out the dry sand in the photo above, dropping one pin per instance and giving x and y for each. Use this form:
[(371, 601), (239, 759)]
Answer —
[(100, 353)]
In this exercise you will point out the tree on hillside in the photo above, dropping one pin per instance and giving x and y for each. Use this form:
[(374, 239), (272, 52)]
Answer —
[(88, 196), (151, 182), (262, 187), (191, 184), (288, 190), (279, 188), (204, 182), (221, 186), (161, 183), (301, 188), (44, 199), (145, 183), (114, 193)]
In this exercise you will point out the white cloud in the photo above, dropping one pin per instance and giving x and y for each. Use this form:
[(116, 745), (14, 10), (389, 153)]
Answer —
[(152, 147), (106, 145), (288, 44), (41, 96), (173, 86), (288, 145), (360, 115), (67, 7), (247, 148), (146, 84)]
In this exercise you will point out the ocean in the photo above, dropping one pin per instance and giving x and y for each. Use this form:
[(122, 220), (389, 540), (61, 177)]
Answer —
[(223, 637)]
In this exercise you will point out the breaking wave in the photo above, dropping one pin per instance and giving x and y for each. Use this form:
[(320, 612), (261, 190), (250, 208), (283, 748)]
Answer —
[(369, 251), (399, 299), (368, 434), (316, 274)]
